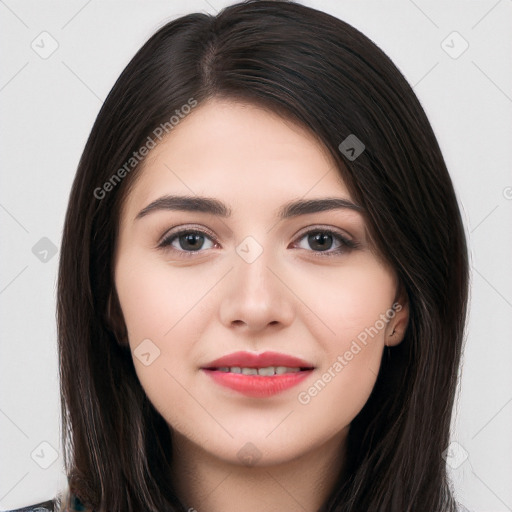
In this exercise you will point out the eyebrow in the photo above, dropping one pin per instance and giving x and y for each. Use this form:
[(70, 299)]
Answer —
[(218, 208)]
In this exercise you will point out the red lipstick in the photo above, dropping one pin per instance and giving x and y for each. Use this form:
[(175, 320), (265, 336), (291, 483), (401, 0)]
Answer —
[(258, 375)]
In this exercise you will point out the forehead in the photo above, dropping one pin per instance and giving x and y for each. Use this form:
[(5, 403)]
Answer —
[(241, 153)]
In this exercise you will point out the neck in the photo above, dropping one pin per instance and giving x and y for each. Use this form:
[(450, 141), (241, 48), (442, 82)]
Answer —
[(205, 483)]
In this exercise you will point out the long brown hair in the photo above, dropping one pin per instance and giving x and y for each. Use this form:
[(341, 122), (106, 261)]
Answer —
[(321, 72)]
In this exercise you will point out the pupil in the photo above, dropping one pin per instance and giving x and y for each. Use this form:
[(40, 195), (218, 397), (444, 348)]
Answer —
[(319, 239), (194, 241)]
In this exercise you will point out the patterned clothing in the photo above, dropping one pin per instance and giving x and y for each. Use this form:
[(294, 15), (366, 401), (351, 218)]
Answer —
[(67, 502)]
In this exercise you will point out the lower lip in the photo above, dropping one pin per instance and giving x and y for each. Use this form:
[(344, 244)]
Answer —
[(258, 386)]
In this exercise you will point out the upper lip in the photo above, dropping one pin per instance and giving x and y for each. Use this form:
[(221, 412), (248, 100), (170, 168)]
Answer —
[(262, 360)]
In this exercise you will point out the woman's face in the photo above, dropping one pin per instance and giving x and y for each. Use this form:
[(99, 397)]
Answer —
[(253, 276)]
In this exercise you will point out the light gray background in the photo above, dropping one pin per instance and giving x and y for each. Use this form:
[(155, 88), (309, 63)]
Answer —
[(49, 106)]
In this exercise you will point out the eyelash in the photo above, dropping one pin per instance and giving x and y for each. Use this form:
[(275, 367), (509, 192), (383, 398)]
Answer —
[(346, 244)]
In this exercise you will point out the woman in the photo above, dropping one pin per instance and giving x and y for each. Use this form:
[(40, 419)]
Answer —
[(263, 279)]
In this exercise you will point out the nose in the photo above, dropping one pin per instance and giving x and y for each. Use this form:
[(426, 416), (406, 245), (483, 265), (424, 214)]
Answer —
[(256, 296)]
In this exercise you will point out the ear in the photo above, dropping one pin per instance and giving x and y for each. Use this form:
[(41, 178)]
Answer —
[(397, 325), (115, 320)]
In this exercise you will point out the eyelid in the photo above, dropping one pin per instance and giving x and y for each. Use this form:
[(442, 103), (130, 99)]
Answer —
[(326, 228), (186, 227)]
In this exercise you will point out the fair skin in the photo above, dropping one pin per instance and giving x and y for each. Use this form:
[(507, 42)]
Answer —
[(293, 298)]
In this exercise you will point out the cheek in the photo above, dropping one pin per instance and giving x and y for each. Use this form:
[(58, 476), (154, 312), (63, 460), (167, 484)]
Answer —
[(164, 310), (349, 300), (155, 300), (352, 307)]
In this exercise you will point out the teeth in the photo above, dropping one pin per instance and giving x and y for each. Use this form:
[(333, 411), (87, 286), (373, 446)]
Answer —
[(283, 369), (266, 372)]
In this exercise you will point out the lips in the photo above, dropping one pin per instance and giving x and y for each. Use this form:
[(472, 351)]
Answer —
[(263, 360), (258, 375)]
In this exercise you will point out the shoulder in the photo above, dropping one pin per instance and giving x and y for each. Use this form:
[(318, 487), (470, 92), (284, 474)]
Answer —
[(47, 506)]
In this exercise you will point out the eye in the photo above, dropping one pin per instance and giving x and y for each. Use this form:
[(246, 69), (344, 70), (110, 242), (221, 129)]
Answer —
[(187, 241), (323, 240)]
